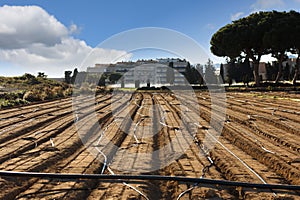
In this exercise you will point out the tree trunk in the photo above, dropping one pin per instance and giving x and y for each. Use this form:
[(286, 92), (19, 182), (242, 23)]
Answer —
[(296, 70), (255, 66), (256, 73), (279, 74)]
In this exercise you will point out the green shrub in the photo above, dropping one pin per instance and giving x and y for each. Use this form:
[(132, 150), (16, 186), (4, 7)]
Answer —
[(10, 103)]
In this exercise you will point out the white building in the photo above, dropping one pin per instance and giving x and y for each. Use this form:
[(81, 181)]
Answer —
[(98, 68), (144, 70)]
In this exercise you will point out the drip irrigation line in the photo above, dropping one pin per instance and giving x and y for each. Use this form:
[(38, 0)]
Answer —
[(163, 121), (204, 170), (104, 156), (247, 166), (202, 148), (186, 191), (52, 143), (211, 163), (76, 118), (105, 160), (120, 178), (257, 141), (128, 185), (106, 164), (135, 129), (105, 129)]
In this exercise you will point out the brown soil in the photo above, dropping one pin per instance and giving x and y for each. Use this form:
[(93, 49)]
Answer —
[(259, 144)]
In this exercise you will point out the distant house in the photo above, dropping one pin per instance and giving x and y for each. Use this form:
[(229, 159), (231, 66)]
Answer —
[(262, 71)]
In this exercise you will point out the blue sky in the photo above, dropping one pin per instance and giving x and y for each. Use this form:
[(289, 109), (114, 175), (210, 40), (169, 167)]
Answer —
[(79, 26)]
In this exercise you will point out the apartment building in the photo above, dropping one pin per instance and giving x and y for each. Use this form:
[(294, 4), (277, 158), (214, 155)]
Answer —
[(153, 71)]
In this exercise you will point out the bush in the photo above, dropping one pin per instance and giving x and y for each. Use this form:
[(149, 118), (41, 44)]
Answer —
[(47, 94), (32, 96), (30, 79), (58, 92), (68, 92), (31, 89), (9, 103)]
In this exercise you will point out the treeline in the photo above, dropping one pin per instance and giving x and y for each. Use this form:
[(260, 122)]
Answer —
[(288, 72), (91, 78), (239, 71), (261, 33), (236, 71), (201, 74)]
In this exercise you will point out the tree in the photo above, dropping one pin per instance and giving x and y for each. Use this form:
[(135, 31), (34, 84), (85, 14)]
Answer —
[(27, 77), (114, 77), (199, 74), (30, 79), (68, 76), (271, 71), (277, 39), (294, 30), (170, 74), (297, 68), (286, 72), (101, 81), (196, 76), (231, 71), (41, 75), (193, 74), (246, 71), (188, 73), (222, 73), (210, 76), (244, 36), (261, 33), (75, 72), (239, 70)]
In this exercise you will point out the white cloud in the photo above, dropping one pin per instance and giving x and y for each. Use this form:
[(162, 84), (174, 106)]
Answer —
[(33, 39), (236, 16), (267, 4), (24, 25), (73, 28)]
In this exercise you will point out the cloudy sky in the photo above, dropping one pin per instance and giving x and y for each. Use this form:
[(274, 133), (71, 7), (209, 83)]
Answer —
[(54, 35)]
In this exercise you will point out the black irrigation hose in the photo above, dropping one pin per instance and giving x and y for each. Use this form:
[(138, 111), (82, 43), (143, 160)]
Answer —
[(121, 178)]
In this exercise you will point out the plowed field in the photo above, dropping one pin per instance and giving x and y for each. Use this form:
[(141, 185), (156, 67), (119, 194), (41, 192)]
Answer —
[(259, 143)]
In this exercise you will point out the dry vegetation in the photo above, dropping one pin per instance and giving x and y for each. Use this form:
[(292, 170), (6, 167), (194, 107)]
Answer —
[(28, 88)]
